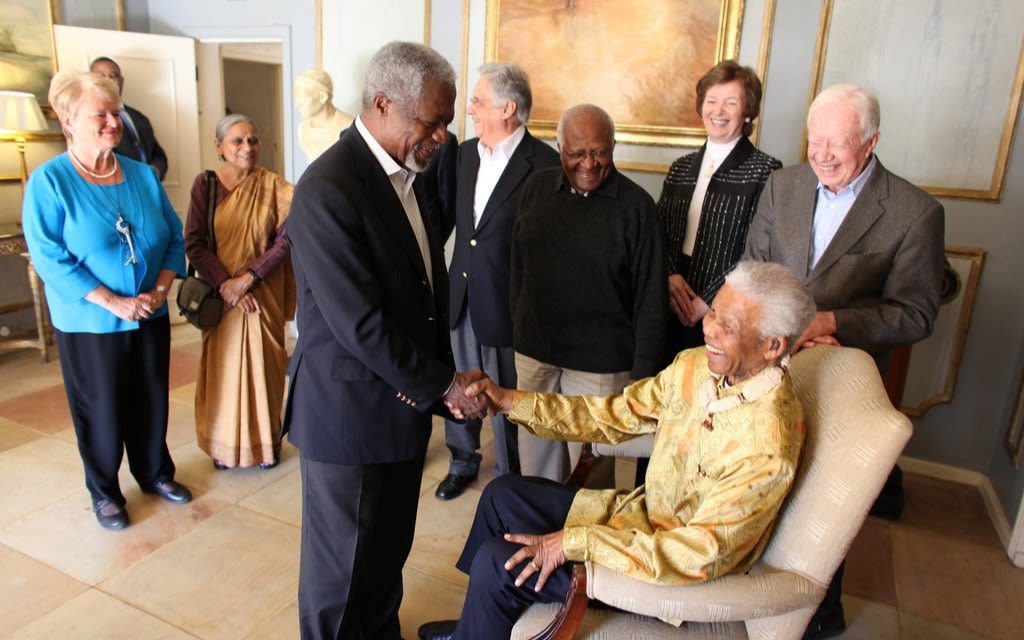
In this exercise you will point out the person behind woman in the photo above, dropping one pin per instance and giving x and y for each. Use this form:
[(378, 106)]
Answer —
[(240, 388), (107, 243), (709, 197)]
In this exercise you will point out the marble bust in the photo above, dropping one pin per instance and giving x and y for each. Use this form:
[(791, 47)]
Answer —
[(321, 120)]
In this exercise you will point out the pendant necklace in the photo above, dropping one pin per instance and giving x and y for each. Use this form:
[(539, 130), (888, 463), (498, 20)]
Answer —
[(123, 228)]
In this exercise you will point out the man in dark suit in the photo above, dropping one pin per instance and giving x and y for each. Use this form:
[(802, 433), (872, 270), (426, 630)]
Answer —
[(491, 171), (139, 141), (868, 246), (373, 357)]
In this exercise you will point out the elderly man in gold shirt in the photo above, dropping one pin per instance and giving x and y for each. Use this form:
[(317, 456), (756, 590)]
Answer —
[(729, 434)]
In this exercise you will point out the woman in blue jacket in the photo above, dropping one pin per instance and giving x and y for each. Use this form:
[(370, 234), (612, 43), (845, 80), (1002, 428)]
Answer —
[(107, 244)]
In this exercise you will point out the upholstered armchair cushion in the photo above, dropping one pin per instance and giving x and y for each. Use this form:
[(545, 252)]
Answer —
[(854, 437)]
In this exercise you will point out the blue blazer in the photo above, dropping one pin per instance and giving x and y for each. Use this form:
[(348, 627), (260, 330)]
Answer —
[(481, 258)]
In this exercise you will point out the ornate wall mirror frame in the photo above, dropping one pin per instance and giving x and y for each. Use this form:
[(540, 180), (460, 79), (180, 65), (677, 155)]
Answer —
[(935, 361)]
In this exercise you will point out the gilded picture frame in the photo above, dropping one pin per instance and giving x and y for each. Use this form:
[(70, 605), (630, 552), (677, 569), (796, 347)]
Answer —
[(638, 60), (1014, 442), (28, 58), (948, 119), (935, 362)]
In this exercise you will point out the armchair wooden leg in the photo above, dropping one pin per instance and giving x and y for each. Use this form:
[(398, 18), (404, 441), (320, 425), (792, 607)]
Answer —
[(570, 615), (583, 466)]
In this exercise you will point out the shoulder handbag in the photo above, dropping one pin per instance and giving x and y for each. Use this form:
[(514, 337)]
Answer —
[(199, 301)]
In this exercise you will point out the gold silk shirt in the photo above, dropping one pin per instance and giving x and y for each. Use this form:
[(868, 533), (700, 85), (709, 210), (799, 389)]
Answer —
[(710, 497)]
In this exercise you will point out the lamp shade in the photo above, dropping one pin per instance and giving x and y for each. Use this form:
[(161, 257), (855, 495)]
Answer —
[(20, 113)]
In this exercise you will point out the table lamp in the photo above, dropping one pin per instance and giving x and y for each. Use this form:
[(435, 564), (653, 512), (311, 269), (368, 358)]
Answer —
[(20, 114)]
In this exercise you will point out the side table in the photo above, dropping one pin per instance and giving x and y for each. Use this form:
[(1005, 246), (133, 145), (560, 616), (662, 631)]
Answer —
[(12, 242)]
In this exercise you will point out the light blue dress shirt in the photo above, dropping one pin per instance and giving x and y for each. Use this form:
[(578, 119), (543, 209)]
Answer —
[(831, 209)]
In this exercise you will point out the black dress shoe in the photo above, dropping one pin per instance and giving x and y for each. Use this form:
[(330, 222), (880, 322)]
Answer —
[(171, 491), (219, 466), (826, 623), (110, 515), (452, 486), (440, 630)]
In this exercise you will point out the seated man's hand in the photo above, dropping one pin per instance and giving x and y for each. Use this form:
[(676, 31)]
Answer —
[(460, 405), (499, 399), (544, 552)]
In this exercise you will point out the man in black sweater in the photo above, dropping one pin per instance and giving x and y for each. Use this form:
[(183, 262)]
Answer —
[(588, 294)]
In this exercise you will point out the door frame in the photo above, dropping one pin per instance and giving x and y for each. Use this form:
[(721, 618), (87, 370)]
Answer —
[(256, 34)]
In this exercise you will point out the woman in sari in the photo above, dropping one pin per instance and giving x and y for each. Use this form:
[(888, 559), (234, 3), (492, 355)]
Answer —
[(240, 387)]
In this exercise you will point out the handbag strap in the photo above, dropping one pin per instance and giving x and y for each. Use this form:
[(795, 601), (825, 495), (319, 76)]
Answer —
[(211, 206)]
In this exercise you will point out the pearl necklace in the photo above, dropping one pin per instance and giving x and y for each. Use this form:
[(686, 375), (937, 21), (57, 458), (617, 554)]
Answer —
[(95, 176), (754, 387)]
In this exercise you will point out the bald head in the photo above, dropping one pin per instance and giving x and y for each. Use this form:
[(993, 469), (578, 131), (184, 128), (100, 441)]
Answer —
[(586, 140)]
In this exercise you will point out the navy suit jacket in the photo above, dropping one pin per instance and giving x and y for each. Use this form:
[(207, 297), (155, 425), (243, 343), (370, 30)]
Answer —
[(481, 258), (133, 146), (373, 357)]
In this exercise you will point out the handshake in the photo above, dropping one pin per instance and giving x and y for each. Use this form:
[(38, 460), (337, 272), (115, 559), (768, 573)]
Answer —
[(473, 395)]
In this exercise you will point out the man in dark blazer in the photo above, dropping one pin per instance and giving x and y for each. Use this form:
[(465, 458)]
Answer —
[(869, 247), (138, 141), (491, 171), (373, 357)]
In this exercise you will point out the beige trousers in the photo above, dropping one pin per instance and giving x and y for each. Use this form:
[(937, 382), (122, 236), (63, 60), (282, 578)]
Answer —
[(554, 459)]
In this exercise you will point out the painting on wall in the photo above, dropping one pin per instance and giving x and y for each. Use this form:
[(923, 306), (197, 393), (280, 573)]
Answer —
[(26, 47), (950, 104), (639, 60)]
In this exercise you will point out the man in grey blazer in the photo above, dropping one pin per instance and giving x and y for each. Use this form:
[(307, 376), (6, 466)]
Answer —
[(492, 169), (868, 245)]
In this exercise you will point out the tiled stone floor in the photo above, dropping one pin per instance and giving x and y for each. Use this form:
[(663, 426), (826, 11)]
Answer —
[(226, 565)]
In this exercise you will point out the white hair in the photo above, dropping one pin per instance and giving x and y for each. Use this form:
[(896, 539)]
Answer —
[(786, 307), (863, 102)]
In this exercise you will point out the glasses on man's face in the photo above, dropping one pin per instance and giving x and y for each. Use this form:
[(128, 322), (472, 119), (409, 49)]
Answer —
[(597, 155), (480, 104)]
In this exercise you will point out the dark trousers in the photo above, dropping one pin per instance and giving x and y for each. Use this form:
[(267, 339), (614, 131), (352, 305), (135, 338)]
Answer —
[(117, 388), (358, 523), (509, 504), (463, 439)]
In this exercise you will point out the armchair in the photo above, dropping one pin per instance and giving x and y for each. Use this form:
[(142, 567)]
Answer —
[(854, 437)]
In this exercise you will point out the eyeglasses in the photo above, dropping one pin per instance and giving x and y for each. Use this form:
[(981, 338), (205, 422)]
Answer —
[(599, 155), (480, 104)]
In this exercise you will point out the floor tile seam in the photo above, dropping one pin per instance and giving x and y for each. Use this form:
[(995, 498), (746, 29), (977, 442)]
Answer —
[(911, 530), (945, 623), (147, 612), (435, 576), (267, 515), (65, 574)]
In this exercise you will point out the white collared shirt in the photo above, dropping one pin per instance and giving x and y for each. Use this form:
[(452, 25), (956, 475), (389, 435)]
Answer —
[(401, 180), (492, 165)]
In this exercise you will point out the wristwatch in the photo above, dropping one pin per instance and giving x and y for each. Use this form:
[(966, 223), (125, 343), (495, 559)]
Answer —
[(162, 289)]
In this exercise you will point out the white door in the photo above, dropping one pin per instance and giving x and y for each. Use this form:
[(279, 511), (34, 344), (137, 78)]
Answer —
[(159, 80)]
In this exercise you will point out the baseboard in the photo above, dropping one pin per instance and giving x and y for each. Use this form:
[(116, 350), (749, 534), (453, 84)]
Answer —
[(974, 479)]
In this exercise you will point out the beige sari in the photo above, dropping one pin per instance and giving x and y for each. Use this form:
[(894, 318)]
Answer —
[(240, 388)]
